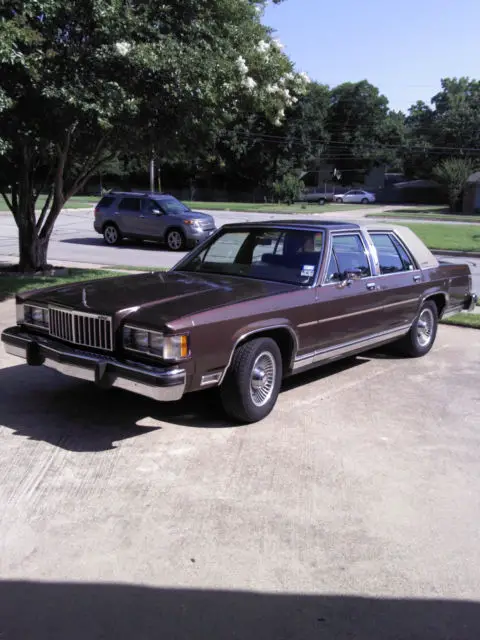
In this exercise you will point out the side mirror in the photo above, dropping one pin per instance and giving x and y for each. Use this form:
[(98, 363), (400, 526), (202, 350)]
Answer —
[(156, 212), (349, 277)]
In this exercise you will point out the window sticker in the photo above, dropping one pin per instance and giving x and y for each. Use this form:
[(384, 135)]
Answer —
[(307, 271)]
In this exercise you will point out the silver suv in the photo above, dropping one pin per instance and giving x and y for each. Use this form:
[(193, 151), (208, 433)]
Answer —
[(151, 216)]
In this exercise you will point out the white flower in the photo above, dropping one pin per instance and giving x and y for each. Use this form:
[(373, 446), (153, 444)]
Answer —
[(272, 88), (276, 43), (250, 83), (263, 46), (304, 77), (123, 48), (241, 64), (281, 113), (278, 122)]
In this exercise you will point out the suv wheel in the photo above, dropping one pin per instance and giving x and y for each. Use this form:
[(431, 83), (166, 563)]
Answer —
[(175, 240), (252, 384), (419, 340), (111, 234)]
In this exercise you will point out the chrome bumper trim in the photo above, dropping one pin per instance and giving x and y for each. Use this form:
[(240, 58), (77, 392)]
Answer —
[(164, 385)]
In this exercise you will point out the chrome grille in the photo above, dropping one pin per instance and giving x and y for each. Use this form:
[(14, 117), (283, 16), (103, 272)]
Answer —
[(84, 329)]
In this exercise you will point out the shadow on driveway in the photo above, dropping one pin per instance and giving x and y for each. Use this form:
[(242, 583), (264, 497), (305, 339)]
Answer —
[(41, 404), (84, 611)]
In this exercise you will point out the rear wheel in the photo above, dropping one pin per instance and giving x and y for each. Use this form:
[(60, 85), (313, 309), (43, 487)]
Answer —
[(111, 234), (321, 201), (364, 200), (175, 240), (338, 200), (252, 384), (421, 337)]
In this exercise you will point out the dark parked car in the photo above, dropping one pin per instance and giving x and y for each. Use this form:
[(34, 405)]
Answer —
[(255, 303), (151, 216), (320, 196)]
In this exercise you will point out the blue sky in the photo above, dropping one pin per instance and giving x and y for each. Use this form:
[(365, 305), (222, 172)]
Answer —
[(403, 47)]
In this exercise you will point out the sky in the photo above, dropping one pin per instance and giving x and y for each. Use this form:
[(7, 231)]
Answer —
[(404, 47)]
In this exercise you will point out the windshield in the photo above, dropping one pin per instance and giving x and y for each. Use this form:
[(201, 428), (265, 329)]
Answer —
[(172, 205), (281, 255)]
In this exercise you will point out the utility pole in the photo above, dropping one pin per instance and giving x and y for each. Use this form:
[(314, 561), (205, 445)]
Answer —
[(152, 174)]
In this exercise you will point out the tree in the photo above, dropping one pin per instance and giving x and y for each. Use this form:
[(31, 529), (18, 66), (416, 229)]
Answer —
[(450, 126), (288, 189), (84, 81), (361, 128), (454, 173)]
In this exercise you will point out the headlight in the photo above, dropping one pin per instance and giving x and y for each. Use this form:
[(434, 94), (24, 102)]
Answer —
[(155, 344), (193, 223), (35, 316)]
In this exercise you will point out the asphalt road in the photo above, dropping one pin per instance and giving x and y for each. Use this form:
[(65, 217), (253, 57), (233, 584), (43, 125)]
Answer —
[(352, 511), (75, 240)]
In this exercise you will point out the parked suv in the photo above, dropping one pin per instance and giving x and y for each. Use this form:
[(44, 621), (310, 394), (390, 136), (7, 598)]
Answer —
[(151, 216)]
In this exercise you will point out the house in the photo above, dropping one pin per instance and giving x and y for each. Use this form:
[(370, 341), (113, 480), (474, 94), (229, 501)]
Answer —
[(471, 194)]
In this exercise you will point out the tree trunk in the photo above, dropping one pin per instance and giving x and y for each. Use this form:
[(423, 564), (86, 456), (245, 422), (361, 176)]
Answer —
[(32, 248)]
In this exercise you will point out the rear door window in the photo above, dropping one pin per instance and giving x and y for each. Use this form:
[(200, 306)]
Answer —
[(130, 204), (392, 257)]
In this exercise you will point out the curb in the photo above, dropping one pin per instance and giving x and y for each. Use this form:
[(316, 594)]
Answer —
[(455, 254)]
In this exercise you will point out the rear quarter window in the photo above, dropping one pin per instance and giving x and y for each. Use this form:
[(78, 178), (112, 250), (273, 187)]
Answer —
[(106, 202)]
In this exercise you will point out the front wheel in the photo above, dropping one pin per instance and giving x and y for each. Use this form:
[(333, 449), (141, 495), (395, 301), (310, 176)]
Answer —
[(111, 234), (419, 340), (338, 200), (321, 201), (252, 384), (175, 240)]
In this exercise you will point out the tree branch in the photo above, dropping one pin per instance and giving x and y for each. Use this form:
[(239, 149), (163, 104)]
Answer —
[(8, 202), (45, 209), (89, 167)]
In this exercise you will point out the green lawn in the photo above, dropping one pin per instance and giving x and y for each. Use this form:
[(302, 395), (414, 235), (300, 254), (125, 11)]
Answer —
[(77, 202), (13, 284), (450, 237), (251, 207), (471, 320), (426, 214)]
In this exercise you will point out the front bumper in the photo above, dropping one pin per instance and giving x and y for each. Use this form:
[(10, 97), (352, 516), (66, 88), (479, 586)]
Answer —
[(195, 237), (471, 302), (165, 384)]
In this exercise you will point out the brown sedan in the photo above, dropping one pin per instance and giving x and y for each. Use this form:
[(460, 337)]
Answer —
[(253, 304)]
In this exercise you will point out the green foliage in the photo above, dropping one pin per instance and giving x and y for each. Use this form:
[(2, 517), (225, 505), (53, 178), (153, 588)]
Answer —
[(288, 189), (454, 173), (84, 81)]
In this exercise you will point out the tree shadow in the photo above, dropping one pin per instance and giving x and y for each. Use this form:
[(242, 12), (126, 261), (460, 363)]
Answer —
[(141, 245), (86, 611)]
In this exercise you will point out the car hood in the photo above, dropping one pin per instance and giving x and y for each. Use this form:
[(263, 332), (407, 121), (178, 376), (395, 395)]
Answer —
[(157, 298), (198, 215)]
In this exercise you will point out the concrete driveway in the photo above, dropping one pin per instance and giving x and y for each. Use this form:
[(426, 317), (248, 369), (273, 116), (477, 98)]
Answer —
[(351, 512)]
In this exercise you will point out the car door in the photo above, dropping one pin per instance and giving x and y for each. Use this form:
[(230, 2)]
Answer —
[(349, 307), (400, 280), (153, 219), (128, 215)]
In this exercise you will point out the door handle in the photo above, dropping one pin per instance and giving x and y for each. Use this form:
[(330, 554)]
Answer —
[(371, 286), (417, 278)]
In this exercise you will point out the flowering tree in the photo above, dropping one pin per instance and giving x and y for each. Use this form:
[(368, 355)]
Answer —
[(85, 80)]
